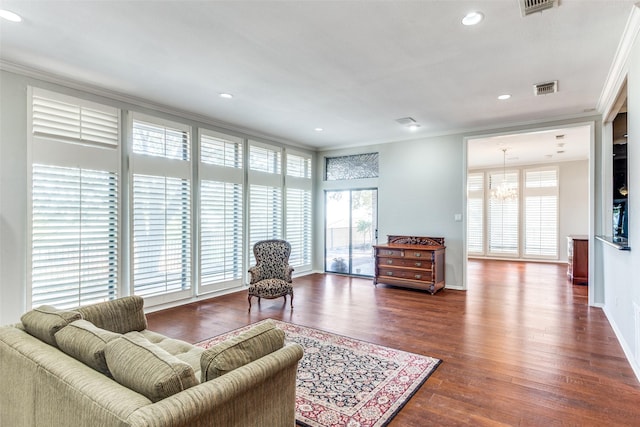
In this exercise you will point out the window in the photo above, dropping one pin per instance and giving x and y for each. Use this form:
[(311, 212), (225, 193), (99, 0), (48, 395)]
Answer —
[(265, 193), (503, 216), (221, 210), (74, 201), (161, 189), (541, 213), (357, 166), (520, 221), (299, 225), (475, 213)]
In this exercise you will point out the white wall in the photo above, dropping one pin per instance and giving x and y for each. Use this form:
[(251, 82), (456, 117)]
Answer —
[(621, 269), (574, 202)]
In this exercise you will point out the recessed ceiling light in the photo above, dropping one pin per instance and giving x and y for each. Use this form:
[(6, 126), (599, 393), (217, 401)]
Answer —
[(318, 129), (10, 16), (472, 18), (226, 95), (413, 127), (503, 97)]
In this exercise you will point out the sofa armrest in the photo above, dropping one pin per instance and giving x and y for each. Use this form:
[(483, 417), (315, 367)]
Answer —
[(260, 393)]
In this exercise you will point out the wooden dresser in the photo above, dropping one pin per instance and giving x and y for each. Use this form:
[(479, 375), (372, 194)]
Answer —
[(411, 261), (578, 259)]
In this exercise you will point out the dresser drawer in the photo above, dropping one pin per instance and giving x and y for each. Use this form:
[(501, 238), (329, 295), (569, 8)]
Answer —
[(422, 275), (398, 253), (404, 262), (416, 254)]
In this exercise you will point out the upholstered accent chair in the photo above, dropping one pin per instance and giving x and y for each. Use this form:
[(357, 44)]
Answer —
[(271, 276)]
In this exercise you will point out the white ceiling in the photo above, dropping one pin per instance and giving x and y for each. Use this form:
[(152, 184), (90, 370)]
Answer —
[(350, 67)]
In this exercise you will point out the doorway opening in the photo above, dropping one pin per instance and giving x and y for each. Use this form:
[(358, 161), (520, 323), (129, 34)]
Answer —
[(351, 230)]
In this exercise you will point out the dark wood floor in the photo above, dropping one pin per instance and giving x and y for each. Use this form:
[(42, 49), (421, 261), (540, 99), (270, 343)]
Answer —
[(520, 347)]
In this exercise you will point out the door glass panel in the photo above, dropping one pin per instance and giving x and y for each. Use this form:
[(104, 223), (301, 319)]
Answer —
[(351, 227)]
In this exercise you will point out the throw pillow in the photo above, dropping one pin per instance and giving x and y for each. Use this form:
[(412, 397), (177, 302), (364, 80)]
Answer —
[(86, 342), (120, 315), (238, 351), (147, 369), (43, 322)]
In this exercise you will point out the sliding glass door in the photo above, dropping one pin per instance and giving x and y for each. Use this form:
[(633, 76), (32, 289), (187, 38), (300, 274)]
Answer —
[(350, 231)]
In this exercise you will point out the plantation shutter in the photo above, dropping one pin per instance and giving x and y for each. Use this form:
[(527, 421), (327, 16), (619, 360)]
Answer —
[(265, 193), (73, 201), (475, 213), (55, 116), (541, 213), (221, 211), (503, 216), (298, 221), (161, 189)]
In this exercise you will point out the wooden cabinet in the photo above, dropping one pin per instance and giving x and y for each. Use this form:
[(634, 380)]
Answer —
[(411, 261), (578, 259)]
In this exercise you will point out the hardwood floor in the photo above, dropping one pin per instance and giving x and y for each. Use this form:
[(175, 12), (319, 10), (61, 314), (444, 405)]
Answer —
[(519, 347)]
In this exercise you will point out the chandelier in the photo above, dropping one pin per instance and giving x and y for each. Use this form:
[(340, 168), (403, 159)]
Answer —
[(504, 191)]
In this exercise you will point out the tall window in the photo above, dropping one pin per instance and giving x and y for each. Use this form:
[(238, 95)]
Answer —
[(503, 216), (74, 255), (475, 213), (522, 223), (221, 210), (265, 193), (541, 213), (161, 189), (298, 209)]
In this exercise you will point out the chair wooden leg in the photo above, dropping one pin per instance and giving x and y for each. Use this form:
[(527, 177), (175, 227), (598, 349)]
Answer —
[(249, 298), (291, 300)]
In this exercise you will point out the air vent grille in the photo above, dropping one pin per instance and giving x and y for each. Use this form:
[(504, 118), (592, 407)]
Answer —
[(545, 88), (406, 121), (532, 6)]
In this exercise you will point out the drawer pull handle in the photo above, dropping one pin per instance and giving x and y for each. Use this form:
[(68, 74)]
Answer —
[(418, 276), (389, 261), (389, 273), (418, 254), (389, 252), (418, 264)]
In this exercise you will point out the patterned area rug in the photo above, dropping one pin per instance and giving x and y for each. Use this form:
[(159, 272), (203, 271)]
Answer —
[(346, 382)]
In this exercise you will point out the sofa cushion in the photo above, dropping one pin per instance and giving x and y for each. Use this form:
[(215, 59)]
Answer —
[(84, 341), (238, 351), (144, 367), (43, 322), (120, 315)]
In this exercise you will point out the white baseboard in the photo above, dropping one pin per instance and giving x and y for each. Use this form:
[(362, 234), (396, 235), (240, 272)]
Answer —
[(623, 343)]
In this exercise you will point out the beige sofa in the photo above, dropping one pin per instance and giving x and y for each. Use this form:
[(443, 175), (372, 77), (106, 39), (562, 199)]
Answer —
[(99, 366)]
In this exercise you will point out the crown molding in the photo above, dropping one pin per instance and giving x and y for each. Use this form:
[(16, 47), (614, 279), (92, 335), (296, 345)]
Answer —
[(220, 126), (620, 66)]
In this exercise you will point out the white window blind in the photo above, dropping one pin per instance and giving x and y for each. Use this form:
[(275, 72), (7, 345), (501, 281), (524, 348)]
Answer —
[(265, 218), (55, 116), (265, 159), (503, 216), (73, 196), (160, 140), (541, 213), (161, 210), (161, 234), (298, 166), (265, 193), (74, 226), (221, 211), (475, 213), (298, 218)]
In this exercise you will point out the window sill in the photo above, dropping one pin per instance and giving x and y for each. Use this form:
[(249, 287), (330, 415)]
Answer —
[(621, 245)]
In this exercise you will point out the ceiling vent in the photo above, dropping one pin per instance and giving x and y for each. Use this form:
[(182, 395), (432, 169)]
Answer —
[(406, 121), (545, 88), (527, 7)]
